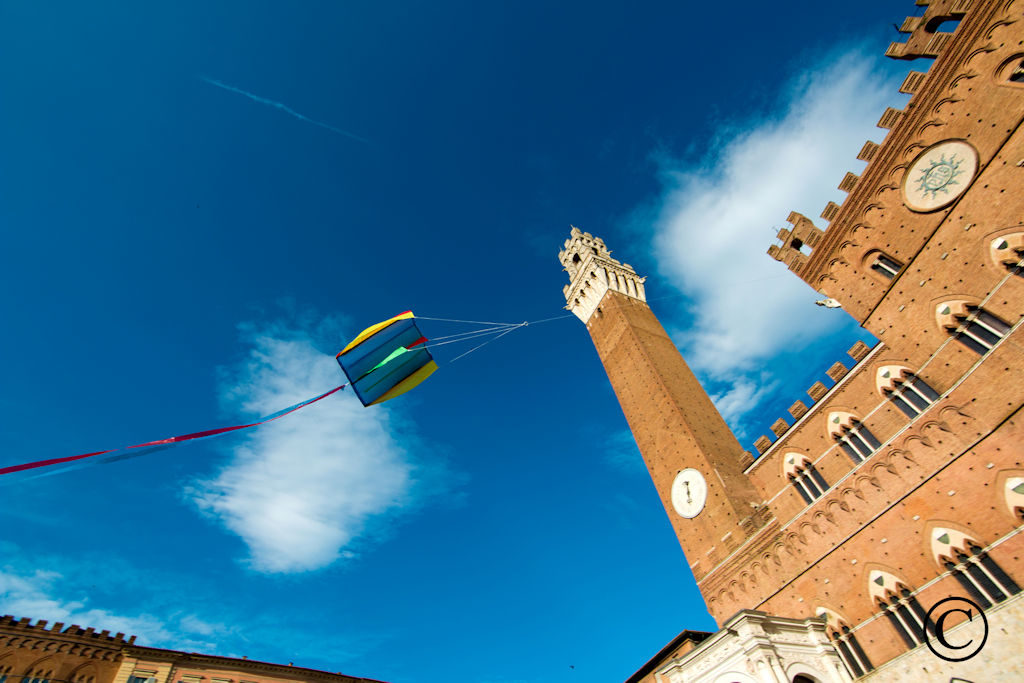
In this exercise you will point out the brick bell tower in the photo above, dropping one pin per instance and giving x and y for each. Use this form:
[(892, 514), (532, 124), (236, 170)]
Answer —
[(693, 457)]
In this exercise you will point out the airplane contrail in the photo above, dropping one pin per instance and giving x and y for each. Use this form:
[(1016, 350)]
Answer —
[(284, 108)]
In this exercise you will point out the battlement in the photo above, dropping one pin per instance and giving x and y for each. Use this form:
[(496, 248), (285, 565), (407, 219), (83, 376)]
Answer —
[(797, 243), (40, 629), (858, 352), (856, 259), (593, 272), (926, 40)]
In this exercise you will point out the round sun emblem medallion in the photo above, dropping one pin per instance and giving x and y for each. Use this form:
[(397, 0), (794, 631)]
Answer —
[(939, 175)]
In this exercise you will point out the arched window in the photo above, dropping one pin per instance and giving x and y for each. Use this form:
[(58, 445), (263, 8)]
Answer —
[(845, 641), (805, 478), (974, 327), (907, 391), (4, 672), (38, 675), (857, 441), (980, 575), (900, 607)]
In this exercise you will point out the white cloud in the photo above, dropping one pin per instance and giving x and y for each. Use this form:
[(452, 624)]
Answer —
[(299, 491), (741, 394), (35, 594), (717, 219)]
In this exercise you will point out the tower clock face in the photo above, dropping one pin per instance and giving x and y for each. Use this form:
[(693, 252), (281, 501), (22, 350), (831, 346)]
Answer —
[(689, 493)]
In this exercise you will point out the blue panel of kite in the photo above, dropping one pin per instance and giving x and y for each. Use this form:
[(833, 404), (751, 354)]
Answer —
[(386, 360)]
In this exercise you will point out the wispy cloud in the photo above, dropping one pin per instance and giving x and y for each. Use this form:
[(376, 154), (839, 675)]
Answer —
[(283, 107), (716, 219), (49, 595), (167, 608), (300, 492), (622, 455)]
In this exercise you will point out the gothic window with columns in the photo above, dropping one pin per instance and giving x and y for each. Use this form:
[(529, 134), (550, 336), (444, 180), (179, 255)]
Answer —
[(974, 327), (908, 392), (4, 672), (845, 641), (857, 441), (980, 575), (805, 478), (900, 606)]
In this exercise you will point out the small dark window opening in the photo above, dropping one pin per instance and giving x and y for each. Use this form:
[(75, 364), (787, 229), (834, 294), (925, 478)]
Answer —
[(886, 266), (1017, 74), (798, 244)]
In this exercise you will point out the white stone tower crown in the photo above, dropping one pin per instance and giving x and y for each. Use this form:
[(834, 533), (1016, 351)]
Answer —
[(593, 272)]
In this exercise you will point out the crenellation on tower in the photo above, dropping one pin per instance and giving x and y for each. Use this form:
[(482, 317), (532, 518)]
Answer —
[(890, 117), (817, 391), (779, 427), (830, 211), (798, 409), (848, 182), (867, 152), (593, 272), (925, 38), (912, 83), (797, 243)]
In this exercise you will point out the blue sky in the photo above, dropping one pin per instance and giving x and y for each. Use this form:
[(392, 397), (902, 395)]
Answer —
[(179, 255)]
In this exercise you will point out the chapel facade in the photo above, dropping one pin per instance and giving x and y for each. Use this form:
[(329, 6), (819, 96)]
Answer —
[(900, 483)]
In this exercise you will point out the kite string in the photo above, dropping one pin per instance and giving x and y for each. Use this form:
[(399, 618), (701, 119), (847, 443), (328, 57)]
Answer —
[(468, 337), (512, 329), (471, 322), (473, 332), (485, 322)]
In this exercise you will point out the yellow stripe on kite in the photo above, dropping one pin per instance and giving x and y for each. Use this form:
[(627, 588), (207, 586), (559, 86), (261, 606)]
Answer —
[(410, 382), (374, 329)]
